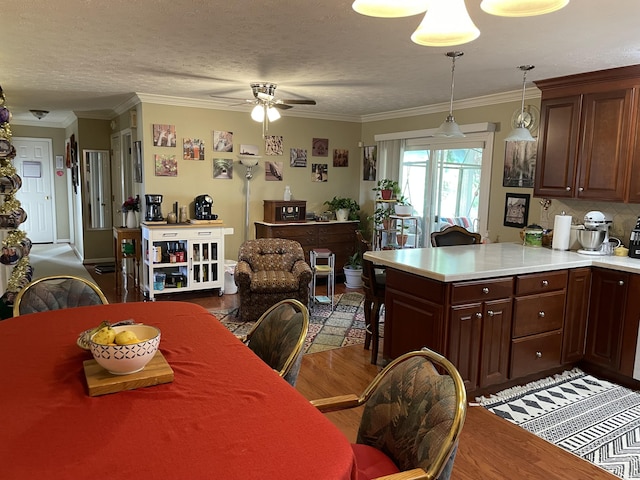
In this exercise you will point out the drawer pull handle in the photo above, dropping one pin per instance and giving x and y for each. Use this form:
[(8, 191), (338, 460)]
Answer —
[(478, 315), (621, 283), (538, 354), (541, 314), (485, 290), (490, 313), (581, 189), (545, 283), (568, 189)]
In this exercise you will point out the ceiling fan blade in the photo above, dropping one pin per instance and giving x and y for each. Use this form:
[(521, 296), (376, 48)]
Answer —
[(282, 106), (299, 102)]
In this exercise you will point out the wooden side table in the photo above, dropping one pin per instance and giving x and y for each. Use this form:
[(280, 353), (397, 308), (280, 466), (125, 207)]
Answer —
[(133, 237)]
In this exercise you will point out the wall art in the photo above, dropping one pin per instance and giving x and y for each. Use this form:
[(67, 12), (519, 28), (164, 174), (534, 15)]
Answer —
[(137, 161), (369, 162), (222, 168), (248, 150), (192, 149), (273, 145), (320, 147), (319, 172), (340, 157), (166, 165), (164, 135), (273, 171), (222, 141), (516, 210), (519, 164), (298, 157)]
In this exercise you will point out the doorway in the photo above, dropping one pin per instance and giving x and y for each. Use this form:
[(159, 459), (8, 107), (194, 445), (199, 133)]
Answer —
[(34, 164)]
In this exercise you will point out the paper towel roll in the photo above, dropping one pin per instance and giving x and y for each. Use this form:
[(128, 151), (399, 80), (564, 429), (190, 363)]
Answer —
[(561, 232)]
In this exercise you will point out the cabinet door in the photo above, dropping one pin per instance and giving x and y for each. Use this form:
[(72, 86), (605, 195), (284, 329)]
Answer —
[(496, 341), (557, 147), (465, 338), (575, 316), (205, 263), (606, 317), (633, 191), (604, 151)]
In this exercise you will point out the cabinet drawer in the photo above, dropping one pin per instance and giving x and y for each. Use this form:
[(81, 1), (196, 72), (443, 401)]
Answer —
[(538, 313), (535, 353), (466, 292), (541, 282), (342, 228)]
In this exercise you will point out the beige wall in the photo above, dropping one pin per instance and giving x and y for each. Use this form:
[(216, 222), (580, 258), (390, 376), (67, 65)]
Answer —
[(196, 177)]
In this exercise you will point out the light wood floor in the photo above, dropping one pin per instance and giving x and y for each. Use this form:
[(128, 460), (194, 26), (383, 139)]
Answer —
[(490, 448)]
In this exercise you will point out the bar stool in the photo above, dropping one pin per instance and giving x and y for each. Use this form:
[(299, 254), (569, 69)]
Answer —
[(323, 263)]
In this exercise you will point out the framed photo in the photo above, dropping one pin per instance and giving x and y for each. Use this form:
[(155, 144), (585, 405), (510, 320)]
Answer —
[(320, 147), (516, 210), (369, 162), (519, 164), (222, 168), (137, 161), (164, 135), (340, 157)]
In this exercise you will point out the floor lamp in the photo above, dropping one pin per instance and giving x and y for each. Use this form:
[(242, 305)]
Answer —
[(249, 161)]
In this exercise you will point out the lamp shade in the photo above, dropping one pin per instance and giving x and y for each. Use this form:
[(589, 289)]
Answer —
[(257, 113), (522, 8), (446, 23), (390, 8), (449, 128), (273, 114), (520, 134)]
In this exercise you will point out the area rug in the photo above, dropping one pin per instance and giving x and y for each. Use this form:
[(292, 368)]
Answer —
[(327, 329), (592, 418)]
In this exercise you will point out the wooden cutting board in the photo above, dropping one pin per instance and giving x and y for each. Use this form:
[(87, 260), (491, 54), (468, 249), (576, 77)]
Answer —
[(101, 382)]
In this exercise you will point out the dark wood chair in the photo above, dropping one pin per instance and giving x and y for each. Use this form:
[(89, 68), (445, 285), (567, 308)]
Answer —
[(374, 291), (454, 235)]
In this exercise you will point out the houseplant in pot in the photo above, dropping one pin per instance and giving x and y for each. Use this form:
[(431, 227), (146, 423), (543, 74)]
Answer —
[(353, 271), (387, 189), (402, 207), (345, 208)]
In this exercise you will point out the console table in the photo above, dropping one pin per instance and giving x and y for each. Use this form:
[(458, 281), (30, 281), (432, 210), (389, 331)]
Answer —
[(339, 237)]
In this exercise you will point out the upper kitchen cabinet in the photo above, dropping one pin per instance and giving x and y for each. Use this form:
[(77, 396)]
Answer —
[(586, 134)]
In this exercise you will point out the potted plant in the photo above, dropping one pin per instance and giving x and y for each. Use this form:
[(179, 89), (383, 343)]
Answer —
[(353, 271), (386, 188), (381, 217), (130, 206), (403, 207), (345, 208)]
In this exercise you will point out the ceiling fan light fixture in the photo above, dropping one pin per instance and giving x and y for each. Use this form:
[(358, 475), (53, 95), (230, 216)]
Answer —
[(390, 8), (446, 23), (522, 8), (521, 133), (39, 114), (273, 114), (449, 128), (257, 114)]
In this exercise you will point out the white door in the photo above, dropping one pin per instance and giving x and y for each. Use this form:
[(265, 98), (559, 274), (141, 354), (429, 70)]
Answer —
[(34, 163)]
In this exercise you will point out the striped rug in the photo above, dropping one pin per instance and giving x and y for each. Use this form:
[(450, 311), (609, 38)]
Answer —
[(592, 418)]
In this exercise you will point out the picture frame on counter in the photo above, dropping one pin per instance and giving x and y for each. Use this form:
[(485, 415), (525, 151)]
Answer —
[(516, 209)]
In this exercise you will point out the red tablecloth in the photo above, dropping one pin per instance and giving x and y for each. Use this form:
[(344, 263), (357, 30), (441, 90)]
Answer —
[(225, 416)]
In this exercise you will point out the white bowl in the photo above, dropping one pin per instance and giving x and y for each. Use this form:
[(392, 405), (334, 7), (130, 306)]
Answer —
[(126, 359)]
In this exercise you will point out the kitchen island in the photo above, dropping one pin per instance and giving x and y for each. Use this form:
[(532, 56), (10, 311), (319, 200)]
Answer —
[(504, 313)]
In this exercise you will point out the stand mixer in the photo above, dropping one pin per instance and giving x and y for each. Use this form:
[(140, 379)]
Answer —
[(595, 234)]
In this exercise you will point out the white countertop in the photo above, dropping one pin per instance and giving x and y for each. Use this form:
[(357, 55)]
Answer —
[(470, 262)]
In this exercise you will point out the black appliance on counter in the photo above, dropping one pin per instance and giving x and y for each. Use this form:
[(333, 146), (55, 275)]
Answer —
[(153, 208), (634, 241), (203, 206)]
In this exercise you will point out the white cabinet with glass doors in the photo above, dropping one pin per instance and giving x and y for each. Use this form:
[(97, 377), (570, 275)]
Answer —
[(182, 258)]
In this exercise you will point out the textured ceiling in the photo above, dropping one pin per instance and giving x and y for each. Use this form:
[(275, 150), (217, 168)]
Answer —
[(91, 56)]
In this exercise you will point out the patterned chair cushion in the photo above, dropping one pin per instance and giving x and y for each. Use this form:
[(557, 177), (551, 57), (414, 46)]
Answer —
[(410, 414), (265, 281), (271, 254), (66, 294)]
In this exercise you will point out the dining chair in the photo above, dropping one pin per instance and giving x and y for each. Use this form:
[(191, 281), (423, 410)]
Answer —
[(56, 292), (278, 337), (454, 235), (414, 410), (373, 284)]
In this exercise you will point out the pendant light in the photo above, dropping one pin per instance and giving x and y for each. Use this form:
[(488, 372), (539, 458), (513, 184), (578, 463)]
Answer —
[(522, 8), (521, 133), (449, 127), (389, 9), (446, 23)]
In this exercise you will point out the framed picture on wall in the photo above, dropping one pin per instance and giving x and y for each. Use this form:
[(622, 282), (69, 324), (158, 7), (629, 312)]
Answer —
[(519, 164), (516, 210), (137, 162)]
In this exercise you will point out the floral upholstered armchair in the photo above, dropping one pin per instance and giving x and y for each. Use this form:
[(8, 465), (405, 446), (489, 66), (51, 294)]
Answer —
[(270, 270)]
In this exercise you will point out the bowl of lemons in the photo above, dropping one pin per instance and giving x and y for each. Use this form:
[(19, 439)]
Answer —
[(124, 349)]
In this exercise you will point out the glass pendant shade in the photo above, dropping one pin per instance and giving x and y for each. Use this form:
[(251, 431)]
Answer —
[(273, 114), (449, 128), (389, 8), (521, 133), (257, 113), (446, 23), (522, 8)]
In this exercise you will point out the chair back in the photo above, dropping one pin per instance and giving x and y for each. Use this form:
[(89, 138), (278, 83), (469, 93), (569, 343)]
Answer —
[(454, 235), (265, 254), (414, 414), (278, 337), (363, 245), (57, 292)]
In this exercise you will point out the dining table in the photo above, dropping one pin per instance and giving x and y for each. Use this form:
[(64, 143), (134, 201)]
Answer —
[(226, 415)]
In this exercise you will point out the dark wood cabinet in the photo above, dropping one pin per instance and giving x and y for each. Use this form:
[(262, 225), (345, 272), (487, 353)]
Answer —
[(339, 237), (606, 317), (586, 133), (575, 315)]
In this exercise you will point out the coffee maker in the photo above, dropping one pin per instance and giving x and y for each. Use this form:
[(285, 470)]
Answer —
[(203, 206), (153, 208)]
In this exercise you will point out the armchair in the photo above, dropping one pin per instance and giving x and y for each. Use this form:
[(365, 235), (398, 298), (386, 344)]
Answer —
[(270, 270), (412, 419)]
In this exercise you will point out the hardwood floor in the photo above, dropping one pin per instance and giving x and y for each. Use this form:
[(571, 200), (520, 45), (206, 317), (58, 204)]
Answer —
[(490, 447)]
